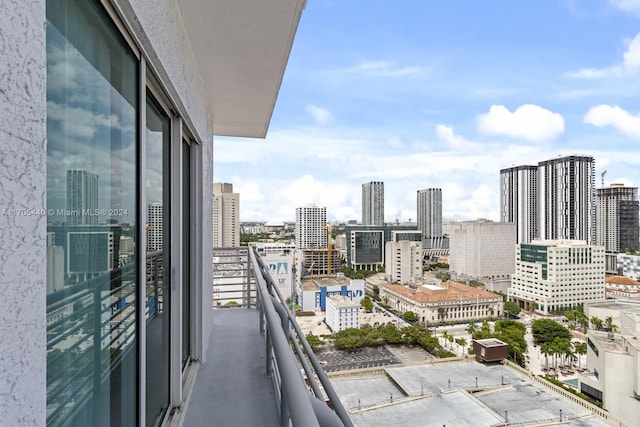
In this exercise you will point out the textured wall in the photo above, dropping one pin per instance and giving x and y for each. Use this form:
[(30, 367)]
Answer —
[(158, 26), (22, 232)]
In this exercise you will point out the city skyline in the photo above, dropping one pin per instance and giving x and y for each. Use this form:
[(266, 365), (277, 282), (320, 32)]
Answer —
[(422, 95)]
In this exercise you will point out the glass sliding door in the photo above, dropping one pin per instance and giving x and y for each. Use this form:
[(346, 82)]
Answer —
[(158, 139), (186, 252), (92, 98)]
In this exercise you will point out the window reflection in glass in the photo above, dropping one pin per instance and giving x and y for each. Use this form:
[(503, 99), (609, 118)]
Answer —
[(91, 206), (157, 277)]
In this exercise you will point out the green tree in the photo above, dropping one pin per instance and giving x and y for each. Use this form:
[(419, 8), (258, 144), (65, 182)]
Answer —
[(410, 316), (367, 304), (596, 322), (314, 341), (580, 348), (546, 330), (511, 308)]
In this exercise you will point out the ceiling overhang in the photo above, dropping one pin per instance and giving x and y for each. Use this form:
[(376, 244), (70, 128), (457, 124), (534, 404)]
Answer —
[(242, 48)]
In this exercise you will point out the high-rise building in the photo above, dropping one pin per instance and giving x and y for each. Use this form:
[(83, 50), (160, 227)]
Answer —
[(310, 231), (403, 261), (519, 200), (226, 216), (557, 274), (566, 205), (429, 210), (82, 197), (154, 226), (617, 218), (373, 203), (482, 249)]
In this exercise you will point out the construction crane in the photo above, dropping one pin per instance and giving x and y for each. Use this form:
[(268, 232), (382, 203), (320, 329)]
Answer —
[(328, 227), (602, 177)]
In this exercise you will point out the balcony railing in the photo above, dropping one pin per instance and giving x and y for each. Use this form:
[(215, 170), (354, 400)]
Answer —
[(304, 394)]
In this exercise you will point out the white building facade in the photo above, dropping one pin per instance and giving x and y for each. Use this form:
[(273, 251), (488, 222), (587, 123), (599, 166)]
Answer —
[(403, 261), (342, 313), (519, 200), (373, 203), (310, 230), (429, 212), (629, 264), (226, 215), (612, 375), (556, 274), (482, 248), (566, 189)]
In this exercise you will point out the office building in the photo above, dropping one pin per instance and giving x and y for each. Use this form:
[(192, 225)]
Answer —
[(557, 274), (82, 198), (342, 313), (628, 265), (482, 249), (311, 227), (129, 91), (366, 244), (403, 261), (518, 200), (617, 221), (226, 216), (313, 293), (566, 205), (373, 203), (429, 211)]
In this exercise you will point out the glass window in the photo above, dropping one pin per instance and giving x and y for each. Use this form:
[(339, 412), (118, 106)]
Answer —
[(91, 211), (157, 286), (186, 251)]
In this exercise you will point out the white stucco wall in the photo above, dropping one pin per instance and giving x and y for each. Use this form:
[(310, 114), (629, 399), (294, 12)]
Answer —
[(23, 158)]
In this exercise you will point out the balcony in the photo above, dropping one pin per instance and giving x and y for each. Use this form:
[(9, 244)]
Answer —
[(259, 370)]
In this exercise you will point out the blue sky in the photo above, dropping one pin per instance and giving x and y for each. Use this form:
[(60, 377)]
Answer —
[(423, 94)]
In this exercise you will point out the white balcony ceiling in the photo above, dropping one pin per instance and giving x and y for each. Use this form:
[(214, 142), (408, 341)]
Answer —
[(242, 48)]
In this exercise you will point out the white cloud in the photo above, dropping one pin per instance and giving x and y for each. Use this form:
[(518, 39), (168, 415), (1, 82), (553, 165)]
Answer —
[(320, 115), (445, 133), (528, 121), (387, 69), (632, 6), (608, 115), (630, 63)]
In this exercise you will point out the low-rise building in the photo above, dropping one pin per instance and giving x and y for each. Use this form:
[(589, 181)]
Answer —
[(448, 302), (621, 287), (313, 293), (342, 313), (613, 358)]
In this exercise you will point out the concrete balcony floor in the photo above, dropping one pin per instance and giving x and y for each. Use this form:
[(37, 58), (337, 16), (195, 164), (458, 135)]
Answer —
[(231, 388)]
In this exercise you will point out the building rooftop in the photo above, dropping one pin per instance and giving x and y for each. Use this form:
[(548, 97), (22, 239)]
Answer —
[(458, 393), (491, 342), (342, 301), (621, 280), (448, 291), (317, 283)]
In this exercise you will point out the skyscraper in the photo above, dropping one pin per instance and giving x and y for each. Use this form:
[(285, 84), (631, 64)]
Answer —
[(82, 197), (617, 218), (154, 226), (373, 203), (309, 231), (429, 209), (566, 205), (226, 216), (519, 200)]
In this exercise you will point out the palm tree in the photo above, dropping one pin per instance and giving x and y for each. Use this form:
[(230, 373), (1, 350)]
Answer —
[(596, 322), (580, 348), (545, 348), (462, 343), (450, 338), (471, 329)]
